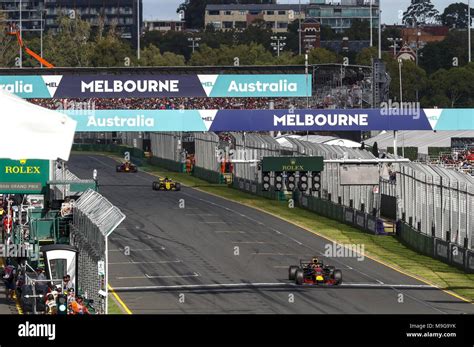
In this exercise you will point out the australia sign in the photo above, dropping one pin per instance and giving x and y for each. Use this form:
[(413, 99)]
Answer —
[(155, 86), (271, 120)]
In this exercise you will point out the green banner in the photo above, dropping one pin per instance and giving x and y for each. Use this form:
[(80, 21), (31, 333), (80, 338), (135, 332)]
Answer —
[(23, 176), (291, 164)]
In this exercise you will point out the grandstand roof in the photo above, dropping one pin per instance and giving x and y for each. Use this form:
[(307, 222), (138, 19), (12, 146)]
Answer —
[(421, 139), (327, 140)]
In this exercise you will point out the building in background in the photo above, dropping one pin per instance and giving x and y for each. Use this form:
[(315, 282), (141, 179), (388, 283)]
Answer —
[(311, 34), (164, 25), (276, 16), (122, 13), (340, 17)]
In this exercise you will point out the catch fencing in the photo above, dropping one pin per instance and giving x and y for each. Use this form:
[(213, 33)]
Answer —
[(94, 219), (438, 202)]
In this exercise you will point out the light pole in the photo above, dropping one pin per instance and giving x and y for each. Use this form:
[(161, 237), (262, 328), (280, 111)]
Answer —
[(380, 32), (279, 45), (371, 24), (21, 34), (139, 29), (469, 29), (41, 34), (394, 42), (400, 64), (194, 42)]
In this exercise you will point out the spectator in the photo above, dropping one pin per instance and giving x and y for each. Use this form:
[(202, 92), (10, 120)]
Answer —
[(51, 306), (10, 281), (67, 283), (78, 306)]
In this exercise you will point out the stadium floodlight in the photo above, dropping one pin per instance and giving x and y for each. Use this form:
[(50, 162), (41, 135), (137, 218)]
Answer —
[(278, 181), (278, 45), (266, 181), (316, 182), (291, 181), (303, 181)]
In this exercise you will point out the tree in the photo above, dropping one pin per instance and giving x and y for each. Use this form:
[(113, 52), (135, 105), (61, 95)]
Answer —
[(151, 56), (320, 56), (451, 88), (450, 52), (70, 46), (420, 12), (252, 54), (365, 56), (111, 51), (8, 46), (414, 79), (455, 15), (359, 30)]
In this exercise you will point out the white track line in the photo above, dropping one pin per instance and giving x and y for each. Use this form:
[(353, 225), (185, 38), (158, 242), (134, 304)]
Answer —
[(146, 276), (274, 284), (229, 231), (146, 262), (138, 249)]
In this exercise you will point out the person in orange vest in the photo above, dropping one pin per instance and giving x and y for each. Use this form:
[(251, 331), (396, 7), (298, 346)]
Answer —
[(78, 306)]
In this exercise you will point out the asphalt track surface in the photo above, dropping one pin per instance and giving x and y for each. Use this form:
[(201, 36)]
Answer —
[(184, 260)]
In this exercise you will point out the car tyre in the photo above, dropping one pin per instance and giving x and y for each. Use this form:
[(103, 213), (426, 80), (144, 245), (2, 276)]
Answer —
[(292, 272), (177, 186), (299, 277), (337, 277)]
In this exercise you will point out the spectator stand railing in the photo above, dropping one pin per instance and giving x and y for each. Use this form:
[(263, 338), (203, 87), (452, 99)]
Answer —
[(94, 219)]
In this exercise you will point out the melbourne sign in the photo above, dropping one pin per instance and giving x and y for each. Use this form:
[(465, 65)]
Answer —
[(152, 86), (23, 176), (269, 120), (292, 164)]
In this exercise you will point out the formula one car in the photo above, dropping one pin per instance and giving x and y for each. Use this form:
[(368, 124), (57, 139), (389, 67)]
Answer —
[(314, 272), (127, 167), (166, 184)]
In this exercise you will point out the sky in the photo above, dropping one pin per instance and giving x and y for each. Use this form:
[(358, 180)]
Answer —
[(166, 9)]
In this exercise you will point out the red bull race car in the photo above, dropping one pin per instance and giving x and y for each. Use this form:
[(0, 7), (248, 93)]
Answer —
[(127, 167), (314, 272), (166, 184)]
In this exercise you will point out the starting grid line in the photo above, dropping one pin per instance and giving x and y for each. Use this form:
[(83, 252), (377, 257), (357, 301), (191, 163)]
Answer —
[(217, 286)]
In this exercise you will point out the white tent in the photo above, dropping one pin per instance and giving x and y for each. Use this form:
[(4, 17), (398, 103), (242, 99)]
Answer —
[(28, 131)]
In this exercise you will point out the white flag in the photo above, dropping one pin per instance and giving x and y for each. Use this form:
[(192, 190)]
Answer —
[(28, 131)]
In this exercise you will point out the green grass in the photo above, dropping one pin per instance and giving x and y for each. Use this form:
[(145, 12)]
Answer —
[(114, 307), (384, 248)]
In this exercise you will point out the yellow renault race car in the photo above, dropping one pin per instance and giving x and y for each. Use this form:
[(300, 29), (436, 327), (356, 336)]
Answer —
[(166, 184)]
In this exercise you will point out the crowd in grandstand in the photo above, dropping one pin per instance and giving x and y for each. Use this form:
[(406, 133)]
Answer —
[(171, 103), (458, 159)]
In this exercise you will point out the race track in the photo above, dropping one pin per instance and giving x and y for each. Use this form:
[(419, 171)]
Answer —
[(191, 251)]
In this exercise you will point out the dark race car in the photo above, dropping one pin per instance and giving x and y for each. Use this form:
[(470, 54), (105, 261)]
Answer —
[(127, 167), (166, 184), (314, 272)]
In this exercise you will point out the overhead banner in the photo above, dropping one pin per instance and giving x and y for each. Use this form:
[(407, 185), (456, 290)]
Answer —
[(271, 120), (157, 86)]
